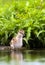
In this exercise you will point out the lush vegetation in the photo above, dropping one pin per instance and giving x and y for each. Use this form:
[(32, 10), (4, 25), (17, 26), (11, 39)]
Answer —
[(22, 14)]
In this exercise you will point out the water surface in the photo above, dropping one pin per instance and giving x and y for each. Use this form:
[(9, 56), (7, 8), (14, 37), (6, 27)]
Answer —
[(27, 57)]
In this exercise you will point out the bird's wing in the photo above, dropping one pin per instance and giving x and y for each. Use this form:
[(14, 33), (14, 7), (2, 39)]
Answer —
[(14, 40)]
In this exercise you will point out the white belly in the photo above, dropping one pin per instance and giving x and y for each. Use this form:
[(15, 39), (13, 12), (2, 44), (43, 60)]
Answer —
[(18, 44)]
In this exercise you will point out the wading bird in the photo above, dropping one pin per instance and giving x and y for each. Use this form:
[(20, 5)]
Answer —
[(16, 42)]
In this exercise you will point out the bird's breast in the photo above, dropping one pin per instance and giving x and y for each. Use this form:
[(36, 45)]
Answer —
[(19, 43)]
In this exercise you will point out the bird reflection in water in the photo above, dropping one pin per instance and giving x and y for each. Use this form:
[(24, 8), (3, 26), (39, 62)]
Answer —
[(16, 58)]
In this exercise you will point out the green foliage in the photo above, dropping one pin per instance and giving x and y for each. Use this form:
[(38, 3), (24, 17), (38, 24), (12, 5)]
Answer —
[(17, 14)]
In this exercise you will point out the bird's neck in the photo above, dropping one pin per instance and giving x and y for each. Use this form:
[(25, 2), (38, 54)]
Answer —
[(19, 37)]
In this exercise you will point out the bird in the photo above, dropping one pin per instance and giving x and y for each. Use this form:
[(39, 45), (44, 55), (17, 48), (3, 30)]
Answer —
[(17, 42)]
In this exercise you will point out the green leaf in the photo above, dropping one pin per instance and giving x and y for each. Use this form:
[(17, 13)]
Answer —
[(42, 31), (28, 34)]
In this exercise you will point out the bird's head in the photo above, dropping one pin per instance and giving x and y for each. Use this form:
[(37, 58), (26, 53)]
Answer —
[(21, 33)]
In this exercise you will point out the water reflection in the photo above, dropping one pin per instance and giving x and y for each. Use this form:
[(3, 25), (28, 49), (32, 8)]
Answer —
[(16, 58), (22, 58)]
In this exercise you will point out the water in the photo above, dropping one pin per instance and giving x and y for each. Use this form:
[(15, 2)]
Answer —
[(27, 57)]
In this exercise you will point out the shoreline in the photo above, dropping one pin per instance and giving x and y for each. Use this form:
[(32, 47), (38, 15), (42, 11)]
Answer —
[(9, 48), (3, 48)]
